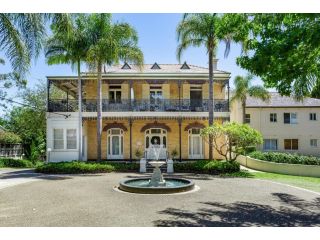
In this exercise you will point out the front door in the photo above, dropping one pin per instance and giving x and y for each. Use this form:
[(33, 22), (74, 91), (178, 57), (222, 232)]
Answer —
[(195, 144), (156, 136), (115, 144)]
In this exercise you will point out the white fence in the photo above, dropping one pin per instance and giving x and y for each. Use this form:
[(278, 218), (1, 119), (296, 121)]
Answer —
[(11, 151)]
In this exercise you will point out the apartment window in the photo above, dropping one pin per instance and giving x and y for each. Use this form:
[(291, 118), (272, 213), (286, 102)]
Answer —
[(58, 139), (273, 117), (71, 139), (313, 117), (290, 118), (291, 144), (314, 142), (270, 144), (247, 118)]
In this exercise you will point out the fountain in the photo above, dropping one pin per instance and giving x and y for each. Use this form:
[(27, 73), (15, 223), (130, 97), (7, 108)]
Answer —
[(157, 184)]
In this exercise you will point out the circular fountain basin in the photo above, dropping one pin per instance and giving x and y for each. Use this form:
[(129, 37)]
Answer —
[(142, 185)]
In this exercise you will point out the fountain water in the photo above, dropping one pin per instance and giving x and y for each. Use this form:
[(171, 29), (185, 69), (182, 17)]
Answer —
[(156, 184)]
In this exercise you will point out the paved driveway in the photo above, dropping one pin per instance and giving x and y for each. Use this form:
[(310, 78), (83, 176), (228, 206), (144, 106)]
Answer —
[(90, 200)]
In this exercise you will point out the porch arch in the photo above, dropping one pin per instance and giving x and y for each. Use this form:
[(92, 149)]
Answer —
[(155, 125)]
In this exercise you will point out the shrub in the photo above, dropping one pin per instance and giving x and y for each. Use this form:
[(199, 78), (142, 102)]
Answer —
[(208, 167), (84, 167), (278, 157), (17, 163), (9, 138)]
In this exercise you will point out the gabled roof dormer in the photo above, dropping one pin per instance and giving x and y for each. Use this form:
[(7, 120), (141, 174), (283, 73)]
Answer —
[(126, 66), (155, 66), (185, 66)]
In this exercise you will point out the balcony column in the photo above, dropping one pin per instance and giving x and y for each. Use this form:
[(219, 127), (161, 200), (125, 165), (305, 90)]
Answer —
[(179, 90), (48, 94), (130, 129), (180, 123), (130, 100), (80, 117), (228, 96), (67, 100)]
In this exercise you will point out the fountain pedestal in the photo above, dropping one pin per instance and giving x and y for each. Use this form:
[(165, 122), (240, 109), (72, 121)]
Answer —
[(157, 178)]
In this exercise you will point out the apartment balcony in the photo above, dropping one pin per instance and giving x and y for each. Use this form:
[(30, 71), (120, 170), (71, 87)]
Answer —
[(138, 105)]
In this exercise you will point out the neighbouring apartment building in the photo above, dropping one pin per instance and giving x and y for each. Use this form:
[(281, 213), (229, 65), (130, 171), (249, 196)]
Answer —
[(287, 125), (159, 104)]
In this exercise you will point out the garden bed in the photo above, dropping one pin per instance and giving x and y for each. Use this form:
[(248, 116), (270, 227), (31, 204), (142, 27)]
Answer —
[(278, 157), (282, 168)]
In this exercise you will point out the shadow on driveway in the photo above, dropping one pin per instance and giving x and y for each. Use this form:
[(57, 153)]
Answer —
[(292, 212), (30, 174)]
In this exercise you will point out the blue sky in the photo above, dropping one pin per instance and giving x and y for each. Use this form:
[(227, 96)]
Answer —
[(157, 39)]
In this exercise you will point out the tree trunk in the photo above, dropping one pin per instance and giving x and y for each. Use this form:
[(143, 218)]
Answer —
[(211, 103), (80, 110), (244, 111), (99, 112)]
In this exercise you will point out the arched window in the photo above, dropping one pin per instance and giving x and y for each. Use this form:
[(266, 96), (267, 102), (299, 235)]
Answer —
[(115, 143), (155, 136), (195, 144)]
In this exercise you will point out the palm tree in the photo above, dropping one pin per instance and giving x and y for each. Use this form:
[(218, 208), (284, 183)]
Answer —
[(244, 88), (69, 45), (109, 43), (21, 38), (207, 30)]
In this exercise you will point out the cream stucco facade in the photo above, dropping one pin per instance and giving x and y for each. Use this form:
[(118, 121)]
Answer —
[(167, 106), (269, 119)]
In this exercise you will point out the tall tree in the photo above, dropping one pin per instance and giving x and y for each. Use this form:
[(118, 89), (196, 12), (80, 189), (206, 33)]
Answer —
[(69, 45), (21, 40), (28, 119), (109, 43), (284, 51), (208, 30), (244, 88)]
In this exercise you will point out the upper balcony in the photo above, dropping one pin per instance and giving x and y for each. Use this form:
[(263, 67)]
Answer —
[(139, 105), (178, 89)]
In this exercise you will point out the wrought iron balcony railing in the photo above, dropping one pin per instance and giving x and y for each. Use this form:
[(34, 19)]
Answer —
[(139, 105)]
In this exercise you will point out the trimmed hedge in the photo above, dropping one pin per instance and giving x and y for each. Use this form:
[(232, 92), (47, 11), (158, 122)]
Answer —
[(75, 167), (278, 157), (208, 167), (16, 163), (84, 167)]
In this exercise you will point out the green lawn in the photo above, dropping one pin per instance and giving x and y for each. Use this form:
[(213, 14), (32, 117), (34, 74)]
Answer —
[(310, 183)]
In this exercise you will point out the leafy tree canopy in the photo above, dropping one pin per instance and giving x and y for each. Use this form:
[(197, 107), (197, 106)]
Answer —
[(284, 50), (232, 139)]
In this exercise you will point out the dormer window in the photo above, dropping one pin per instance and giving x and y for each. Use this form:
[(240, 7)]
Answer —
[(126, 66), (155, 66), (185, 66)]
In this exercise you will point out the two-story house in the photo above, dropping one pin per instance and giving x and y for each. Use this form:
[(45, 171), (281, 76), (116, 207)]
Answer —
[(287, 125), (159, 104)]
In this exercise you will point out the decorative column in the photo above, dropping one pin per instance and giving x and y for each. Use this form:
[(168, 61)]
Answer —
[(180, 122), (80, 117), (48, 94), (130, 130), (179, 90), (228, 97), (130, 101)]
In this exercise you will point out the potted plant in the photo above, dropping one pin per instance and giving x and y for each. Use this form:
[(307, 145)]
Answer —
[(174, 153)]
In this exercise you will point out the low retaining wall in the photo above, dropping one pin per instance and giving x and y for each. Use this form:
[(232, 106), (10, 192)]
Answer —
[(282, 168)]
